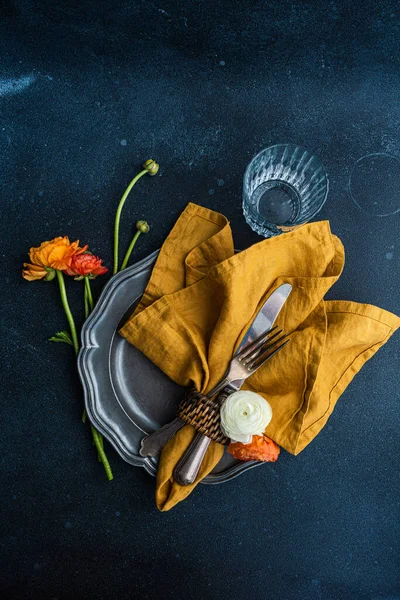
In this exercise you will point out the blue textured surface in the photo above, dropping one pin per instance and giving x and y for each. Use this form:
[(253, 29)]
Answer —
[(87, 91)]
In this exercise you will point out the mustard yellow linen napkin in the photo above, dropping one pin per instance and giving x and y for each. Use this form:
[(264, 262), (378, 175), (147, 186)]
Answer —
[(202, 297)]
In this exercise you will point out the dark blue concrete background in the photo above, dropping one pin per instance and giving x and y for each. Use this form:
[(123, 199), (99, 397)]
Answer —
[(88, 90)]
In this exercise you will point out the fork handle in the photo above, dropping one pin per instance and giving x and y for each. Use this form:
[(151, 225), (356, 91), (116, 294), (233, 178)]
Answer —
[(218, 388), (189, 465), (153, 444)]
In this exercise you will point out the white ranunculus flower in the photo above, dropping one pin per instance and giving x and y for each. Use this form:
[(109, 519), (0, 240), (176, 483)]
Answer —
[(244, 414)]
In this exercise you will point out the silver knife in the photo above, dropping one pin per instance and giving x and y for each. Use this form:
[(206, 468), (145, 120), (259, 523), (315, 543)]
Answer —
[(188, 466), (152, 444)]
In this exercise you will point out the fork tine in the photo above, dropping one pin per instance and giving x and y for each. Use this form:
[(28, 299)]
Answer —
[(260, 360), (258, 342), (264, 348), (249, 355)]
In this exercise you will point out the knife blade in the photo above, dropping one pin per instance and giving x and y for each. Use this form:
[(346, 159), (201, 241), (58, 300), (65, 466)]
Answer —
[(267, 315), (152, 444), (263, 321)]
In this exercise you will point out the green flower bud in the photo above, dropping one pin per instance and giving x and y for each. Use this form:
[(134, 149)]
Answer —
[(151, 166), (142, 226)]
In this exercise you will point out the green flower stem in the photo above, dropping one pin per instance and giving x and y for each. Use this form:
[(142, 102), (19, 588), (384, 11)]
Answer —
[(129, 251), (98, 442), (118, 216), (86, 301), (97, 437), (87, 313), (67, 310), (89, 293)]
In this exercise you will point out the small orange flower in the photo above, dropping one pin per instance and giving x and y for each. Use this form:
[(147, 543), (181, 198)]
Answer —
[(83, 265), (261, 448), (50, 255)]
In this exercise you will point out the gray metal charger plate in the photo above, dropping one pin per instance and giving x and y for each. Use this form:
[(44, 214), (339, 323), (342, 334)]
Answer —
[(126, 395)]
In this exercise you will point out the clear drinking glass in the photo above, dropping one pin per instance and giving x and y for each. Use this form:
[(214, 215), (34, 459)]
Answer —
[(284, 187)]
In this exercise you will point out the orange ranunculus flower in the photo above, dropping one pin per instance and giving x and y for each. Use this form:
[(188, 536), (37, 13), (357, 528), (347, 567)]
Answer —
[(83, 265), (54, 254), (261, 448)]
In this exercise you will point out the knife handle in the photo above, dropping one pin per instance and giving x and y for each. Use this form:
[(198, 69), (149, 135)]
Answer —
[(189, 465), (153, 444)]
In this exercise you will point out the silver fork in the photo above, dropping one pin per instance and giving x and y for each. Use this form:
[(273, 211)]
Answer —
[(152, 444), (245, 364)]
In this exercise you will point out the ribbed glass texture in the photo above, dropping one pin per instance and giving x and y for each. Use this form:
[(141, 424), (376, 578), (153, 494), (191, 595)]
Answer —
[(284, 186)]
